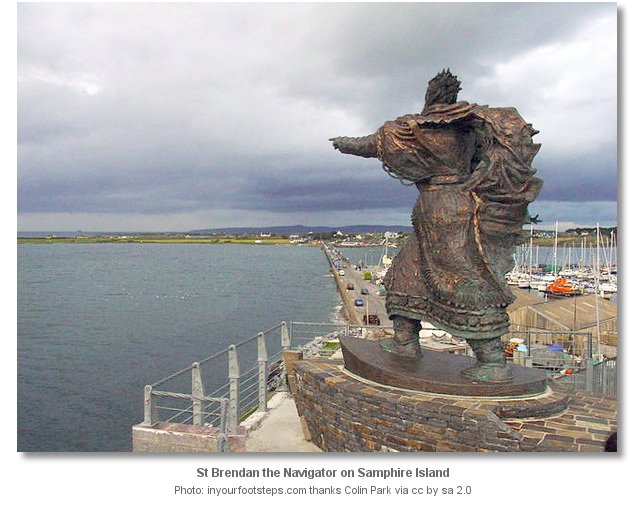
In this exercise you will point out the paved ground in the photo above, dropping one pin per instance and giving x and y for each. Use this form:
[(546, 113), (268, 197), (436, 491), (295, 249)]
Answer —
[(280, 430)]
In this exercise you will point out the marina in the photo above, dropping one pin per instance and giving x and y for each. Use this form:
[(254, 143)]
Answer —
[(568, 271)]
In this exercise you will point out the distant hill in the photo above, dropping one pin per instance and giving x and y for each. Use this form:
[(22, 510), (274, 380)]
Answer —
[(303, 229)]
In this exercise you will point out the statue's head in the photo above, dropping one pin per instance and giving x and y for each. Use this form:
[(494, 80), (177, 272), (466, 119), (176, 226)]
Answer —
[(442, 89)]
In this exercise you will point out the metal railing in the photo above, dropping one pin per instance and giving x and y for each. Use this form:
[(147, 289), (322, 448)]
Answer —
[(598, 377), (222, 389), (553, 349), (240, 378), (569, 358), (305, 333)]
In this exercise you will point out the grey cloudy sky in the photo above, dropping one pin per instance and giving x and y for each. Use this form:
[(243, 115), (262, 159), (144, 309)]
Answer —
[(187, 116)]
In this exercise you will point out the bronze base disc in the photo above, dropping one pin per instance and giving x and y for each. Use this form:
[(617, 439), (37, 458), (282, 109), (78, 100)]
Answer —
[(435, 372)]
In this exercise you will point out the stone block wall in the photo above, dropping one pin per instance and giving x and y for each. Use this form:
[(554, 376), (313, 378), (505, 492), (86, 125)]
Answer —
[(344, 413), (178, 438)]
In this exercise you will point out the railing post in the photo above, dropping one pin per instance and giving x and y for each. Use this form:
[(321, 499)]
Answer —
[(234, 376), (284, 337), (197, 393), (262, 373), (588, 378), (223, 429), (589, 375), (150, 411)]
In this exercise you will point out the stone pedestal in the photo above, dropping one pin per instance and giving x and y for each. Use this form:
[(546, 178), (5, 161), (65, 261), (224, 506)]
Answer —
[(435, 372), (344, 412)]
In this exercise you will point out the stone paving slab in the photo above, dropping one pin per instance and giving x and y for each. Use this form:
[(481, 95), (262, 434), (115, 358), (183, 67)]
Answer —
[(280, 430), (584, 426)]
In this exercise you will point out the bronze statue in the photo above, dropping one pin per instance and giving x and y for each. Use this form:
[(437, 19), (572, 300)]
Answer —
[(472, 167)]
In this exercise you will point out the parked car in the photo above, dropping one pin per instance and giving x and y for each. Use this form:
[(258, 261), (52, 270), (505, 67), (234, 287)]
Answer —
[(341, 273), (373, 319), (350, 286), (364, 291), (359, 302)]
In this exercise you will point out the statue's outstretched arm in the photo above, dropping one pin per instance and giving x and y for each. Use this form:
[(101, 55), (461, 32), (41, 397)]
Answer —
[(362, 146)]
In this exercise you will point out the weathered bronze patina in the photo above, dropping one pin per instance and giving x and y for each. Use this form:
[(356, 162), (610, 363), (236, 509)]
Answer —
[(472, 167)]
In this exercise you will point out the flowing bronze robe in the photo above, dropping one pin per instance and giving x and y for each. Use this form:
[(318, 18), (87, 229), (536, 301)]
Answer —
[(472, 167)]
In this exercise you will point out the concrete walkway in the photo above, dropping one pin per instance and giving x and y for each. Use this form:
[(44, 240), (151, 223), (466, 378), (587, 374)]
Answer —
[(277, 430)]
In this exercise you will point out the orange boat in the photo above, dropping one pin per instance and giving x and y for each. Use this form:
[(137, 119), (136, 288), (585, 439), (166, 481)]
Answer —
[(561, 287)]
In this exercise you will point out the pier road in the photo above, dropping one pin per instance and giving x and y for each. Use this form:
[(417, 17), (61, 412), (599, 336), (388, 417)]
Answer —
[(373, 303)]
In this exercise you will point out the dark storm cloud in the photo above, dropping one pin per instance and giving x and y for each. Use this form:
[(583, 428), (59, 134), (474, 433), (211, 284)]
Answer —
[(148, 109), (586, 177), (383, 57), (302, 194)]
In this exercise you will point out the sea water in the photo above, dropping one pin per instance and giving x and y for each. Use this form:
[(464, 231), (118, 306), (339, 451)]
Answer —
[(96, 322)]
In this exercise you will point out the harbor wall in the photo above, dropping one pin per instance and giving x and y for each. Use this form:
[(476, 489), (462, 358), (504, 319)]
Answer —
[(348, 310)]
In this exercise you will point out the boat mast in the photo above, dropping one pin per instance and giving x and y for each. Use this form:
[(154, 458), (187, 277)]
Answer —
[(611, 240), (531, 254), (607, 266), (555, 251), (614, 249), (597, 278)]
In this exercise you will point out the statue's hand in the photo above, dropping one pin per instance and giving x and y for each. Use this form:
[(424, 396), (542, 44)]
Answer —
[(534, 220), (361, 146), (336, 142)]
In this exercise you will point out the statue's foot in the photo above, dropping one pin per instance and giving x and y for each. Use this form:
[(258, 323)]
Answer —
[(486, 372), (406, 339), (411, 350)]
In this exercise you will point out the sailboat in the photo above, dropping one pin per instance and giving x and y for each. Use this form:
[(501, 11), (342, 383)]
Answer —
[(607, 281), (524, 281)]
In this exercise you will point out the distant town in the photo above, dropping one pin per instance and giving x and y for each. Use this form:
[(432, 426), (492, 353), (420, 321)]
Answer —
[(340, 236)]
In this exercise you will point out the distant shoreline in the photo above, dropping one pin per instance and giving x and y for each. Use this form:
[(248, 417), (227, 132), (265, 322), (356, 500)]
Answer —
[(563, 240), (151, 240)]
